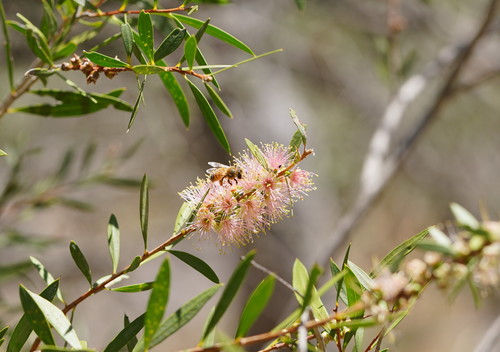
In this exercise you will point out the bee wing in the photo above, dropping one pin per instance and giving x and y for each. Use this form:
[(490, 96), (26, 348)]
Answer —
[(212, 170), (216, 165)]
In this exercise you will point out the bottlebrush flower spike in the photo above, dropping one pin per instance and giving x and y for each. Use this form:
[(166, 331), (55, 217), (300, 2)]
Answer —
[(237, 202)]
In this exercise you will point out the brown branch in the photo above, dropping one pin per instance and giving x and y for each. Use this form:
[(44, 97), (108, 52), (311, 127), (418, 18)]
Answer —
[(380, 165), (89, 14), (113, 277)]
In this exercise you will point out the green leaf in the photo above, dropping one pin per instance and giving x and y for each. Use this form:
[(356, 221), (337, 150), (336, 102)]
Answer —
[(2, 153), (255, 305), (104, 60), (148, 69), (49, 22), (301, 4), (214, 31), (183, 216), (144, 209), (7, 49), (127, 334), (353, 287), (23, 328), (41, 313), (37, 48), (179, 318), (300, 126), (74, 103), (145, 27), (14, 269), (128, 39), (218, 101), (435, 247), (210, 117), (300, 281), (175, 90), (190, 48), (311, 288), (64, 50), (229, 293), (170, 43), (364, 279), (80, 261), (3, 331), (136, 105), (136, 262), (146, 286), (45, 275), (157, 302), (197, 264), (464, 217), (296, 141), (398, 253), (114, 241), (257, 153)]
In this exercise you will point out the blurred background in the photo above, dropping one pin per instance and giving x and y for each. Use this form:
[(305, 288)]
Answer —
[(342, 62)]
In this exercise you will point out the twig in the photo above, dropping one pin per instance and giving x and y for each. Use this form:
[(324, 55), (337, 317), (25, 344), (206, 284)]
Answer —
[(113, 277), (89, 14), (380, 166), (490, 338), (269, 272)]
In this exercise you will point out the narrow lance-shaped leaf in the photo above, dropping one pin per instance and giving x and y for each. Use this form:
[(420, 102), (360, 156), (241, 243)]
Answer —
[(133, 341), (210, 117), (37, 48), (183, 216), (398, 253), (2, 153), (49, 22), (229, 292), (80, 261), (218, 101), (128, 333), (3, 331), (144, 209), (128, 39), (190, 47), (174, 88), (45, 275), (145, 27), (464, 217), (311, 287), (255, 305), (145, 286), (179, 318), (136, 105), (170, 43), (23, 328), (257, 153), (197, 264), (104, 60), (215, 32), (300, 126), (300, 282), (7, 49), (51, 315), (157, 302), (114, 241)]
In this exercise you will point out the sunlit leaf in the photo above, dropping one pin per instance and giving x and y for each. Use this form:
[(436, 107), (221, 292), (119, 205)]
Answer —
[(232, 287), (157, 302), (183, 217), (80, 261), (50, 315), (148, 69), (23, 328), (45, 275), (464, 217), (364, 279), (2, 153), (197, 264), (114, 241), (175, 90), (255, 305), (300, 282), (257, 153)]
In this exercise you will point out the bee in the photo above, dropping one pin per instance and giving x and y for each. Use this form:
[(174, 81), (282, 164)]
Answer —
[(219, 172)]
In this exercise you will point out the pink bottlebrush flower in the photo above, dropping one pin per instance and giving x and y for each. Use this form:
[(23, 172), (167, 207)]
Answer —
[(247, 198)]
